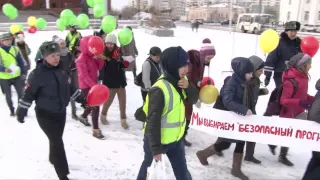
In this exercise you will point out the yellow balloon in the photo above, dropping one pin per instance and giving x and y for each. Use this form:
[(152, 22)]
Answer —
[(32, 21), (14, 29), (269, 40), (208, 94)]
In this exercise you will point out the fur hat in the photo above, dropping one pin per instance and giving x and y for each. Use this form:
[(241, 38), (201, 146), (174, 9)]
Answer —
[(292, 26), (48, 48)]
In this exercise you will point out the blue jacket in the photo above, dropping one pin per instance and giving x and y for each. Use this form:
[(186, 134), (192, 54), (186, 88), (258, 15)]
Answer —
[(18, 58), (233, 91)]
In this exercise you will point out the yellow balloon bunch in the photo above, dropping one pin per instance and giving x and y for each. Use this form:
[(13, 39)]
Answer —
[(208, 94), (269, 40), (32, 21), (14, 28)]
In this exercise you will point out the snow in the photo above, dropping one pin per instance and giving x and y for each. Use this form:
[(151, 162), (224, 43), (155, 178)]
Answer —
[(24, 147)]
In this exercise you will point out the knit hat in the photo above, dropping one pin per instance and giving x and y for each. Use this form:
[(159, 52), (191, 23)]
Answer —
[(59, 40), (48, 48), (207, 49), (111, 38), (292, 26), (155, 51), (5, 36), (257, 63), (19, 38), (299, 60)]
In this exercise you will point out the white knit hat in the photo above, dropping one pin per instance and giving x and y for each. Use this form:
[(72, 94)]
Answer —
[(111, 38)]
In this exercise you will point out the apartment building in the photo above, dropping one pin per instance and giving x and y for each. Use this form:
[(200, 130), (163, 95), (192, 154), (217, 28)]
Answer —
[(304, 11), (266, 2)]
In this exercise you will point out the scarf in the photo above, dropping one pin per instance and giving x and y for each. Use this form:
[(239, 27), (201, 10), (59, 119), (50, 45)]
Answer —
[(248, 100), (64, 52)]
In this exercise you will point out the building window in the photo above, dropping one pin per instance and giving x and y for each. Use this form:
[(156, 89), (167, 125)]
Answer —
[(306, 16), (318, 15), (289, 2), (288, 16), (307, 1)]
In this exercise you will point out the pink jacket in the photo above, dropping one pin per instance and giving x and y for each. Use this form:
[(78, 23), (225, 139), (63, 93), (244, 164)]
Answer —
[(87, 66)]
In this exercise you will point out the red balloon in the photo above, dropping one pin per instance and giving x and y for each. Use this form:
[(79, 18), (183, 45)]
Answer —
[(310, 45), (98, 95), (206, 81), (27, 2), (32, 30), (96, 45)]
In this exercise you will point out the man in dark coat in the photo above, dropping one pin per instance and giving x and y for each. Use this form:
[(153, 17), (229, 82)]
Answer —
[(289, 46), (313, 168)]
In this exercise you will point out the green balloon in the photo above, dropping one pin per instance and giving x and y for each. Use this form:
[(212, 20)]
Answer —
[(41, 23), (98, 11), (98, 2), (21, 27), (83, 21), (61, 24), (67, 13), (90, 3), (71, 21), (125, 36), (10, 11), (108, 24)]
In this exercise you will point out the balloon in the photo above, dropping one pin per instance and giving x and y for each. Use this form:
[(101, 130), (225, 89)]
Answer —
[(98, 11), (98, 95), (71, 21), (27, 2), (98, 2), (268, 40), (32, 21), (14, 28), (10, 11), (66, 14), (309, 45), (108, 24), (21, 27), (61, 24), (83, 21), (32, 29), (90, 3), (206, 81), (208, 94), (125, 36), (96, 45), (41, 23)]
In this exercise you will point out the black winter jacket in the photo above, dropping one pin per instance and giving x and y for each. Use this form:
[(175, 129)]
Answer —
[(67, 62), (156, 105), (49, 87), (314, 112), (276, 60)]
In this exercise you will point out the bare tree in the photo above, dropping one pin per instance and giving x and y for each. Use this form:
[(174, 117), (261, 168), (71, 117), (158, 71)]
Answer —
[(128, 11), (114, 12), (152, 10)]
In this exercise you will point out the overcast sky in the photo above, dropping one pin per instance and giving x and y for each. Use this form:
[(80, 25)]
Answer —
[(118, 4)]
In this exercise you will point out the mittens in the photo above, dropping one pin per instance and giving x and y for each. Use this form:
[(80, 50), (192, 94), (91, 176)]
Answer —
[(305, 104)]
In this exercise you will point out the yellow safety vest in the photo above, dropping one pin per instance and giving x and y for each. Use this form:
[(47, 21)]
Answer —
[(7, 60), (173, 119), (72, 39)]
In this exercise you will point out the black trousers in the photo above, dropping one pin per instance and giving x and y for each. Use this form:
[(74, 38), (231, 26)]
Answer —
[(312, 171), (222, 144), (144, 95), (52, 124), (186, 128), (6, 84)]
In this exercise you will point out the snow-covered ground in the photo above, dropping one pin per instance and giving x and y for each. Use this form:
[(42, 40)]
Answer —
[(24, 147)]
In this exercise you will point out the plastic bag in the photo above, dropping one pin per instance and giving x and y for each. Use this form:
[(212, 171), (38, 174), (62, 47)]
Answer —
[(157, 170)]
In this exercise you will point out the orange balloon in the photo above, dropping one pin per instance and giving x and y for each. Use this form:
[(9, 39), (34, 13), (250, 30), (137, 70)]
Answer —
[(208, 94)]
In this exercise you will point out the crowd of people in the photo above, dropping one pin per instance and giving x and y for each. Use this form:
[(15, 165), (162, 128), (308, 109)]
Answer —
[(170, 82)]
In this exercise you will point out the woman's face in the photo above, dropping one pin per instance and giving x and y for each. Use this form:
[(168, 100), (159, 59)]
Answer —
[(110, 46)]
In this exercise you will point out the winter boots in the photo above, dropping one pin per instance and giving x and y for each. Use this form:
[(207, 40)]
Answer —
[(204, 154), (98, 134), (12, 113), (103, 119), (249, 153), (187, 143), (124, 124), (84, 121), (236, 167), (283, 156)]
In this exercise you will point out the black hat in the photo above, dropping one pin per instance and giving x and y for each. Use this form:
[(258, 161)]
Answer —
[(292, 26), (49, 47), (155, 51)]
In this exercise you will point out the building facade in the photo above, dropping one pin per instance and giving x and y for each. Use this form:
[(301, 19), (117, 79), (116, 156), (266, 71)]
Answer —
[(304, 11)]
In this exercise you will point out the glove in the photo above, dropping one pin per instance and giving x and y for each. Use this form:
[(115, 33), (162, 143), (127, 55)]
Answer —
[(125, 64), (266, 81), (264, 91), (305, 104), (21, 113)]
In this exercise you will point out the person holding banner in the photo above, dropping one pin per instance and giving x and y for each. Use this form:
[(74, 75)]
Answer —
[(236, 96), (165, 114)]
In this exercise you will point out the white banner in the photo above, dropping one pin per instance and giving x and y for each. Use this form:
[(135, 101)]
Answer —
[(260, 129)]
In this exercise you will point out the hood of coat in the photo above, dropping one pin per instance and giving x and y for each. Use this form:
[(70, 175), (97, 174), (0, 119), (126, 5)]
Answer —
[(241, 66), (318, 85), (84, 46), (293, 73)]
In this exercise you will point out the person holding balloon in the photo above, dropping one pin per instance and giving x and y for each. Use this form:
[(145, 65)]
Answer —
[(131, 50), (24, 50), (88, 66), (49, 87), (11, 70), (236, 96), (280, 51), (114, 78), (73, 40)]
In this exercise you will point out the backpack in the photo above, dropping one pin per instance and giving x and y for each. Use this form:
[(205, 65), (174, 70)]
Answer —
[(274, 107), (138, 80)]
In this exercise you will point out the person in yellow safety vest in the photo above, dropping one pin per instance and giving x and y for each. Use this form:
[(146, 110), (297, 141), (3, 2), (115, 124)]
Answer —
[(73, 40), (11, 69), (164, 108)]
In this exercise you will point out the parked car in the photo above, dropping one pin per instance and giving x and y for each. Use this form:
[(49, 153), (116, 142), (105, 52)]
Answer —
[(226, 22), (310, 28)]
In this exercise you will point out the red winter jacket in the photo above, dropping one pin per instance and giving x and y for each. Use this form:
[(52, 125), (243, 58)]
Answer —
[(291, 107)]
